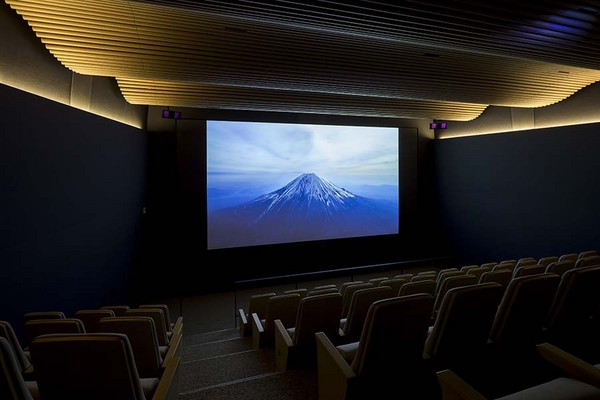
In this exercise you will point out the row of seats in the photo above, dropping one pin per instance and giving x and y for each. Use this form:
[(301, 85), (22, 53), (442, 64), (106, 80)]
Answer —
[(60, 349), (482, 331)]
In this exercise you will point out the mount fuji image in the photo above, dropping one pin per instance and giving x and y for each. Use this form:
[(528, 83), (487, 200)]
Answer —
[(307, 208)]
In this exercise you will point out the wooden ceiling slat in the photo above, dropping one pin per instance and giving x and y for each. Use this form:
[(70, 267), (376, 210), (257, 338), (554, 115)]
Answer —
[(327, 48)]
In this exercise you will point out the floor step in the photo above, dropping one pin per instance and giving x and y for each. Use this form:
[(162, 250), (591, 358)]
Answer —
[(208, 337), (196, 352)]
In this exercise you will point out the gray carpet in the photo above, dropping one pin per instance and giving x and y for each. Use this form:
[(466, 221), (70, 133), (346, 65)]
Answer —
[(222, 365)]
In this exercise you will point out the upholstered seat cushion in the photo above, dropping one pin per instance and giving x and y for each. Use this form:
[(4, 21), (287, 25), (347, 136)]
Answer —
[(149, 386), (33, 389), (557, 389), (348, 351)]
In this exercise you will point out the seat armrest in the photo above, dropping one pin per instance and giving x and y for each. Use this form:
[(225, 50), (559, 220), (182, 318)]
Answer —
[(174, 349), (244, 327), (283, 344), (572, 366), (178, 326), (168, 386), (455, 388), (257, 331), (334, 373)]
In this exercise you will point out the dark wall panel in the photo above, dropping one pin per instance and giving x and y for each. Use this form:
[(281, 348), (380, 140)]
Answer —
[(529, 193), (72, 189)]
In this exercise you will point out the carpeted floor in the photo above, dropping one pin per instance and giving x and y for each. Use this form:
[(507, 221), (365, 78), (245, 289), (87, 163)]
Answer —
[(222, 365)]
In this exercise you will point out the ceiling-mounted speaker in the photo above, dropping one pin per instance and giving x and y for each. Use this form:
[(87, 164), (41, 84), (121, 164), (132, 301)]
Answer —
[(170, 114), (438, 125)]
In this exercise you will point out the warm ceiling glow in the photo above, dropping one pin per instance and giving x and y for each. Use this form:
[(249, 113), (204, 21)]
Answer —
[(163, 54)]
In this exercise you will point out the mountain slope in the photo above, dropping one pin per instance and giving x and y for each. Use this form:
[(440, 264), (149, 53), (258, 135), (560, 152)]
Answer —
[(307, 208)]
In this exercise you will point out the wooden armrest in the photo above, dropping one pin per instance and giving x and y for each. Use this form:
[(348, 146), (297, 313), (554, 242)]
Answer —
[(178, 326), (168, 386), (174, 349), (244, 328), (455, 388), (283, 343), (572, 366), (257, 331), (242, 314), (334, 373)]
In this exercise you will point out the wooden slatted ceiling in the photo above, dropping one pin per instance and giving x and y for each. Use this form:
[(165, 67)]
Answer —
[(198, 55)]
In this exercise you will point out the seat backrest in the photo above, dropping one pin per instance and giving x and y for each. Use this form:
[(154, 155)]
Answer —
[(525, 261), (449, 283), (502, 276), (394, 335), (322, 291), (36, 327), (445, 275), (587, 261), (165, 310), (466, 268), (91, 318), (489, 265), (361, 301), (547, 260), (448, 272), (159, 321), (141, 333), (423, 277), (345, 285), (394, 283), (12, 385), (523, 310), (7, 332), (406, 276), (378, 280), (560, 267), (481, 270), (569, 256), (587, 253), (425, 286), (463, 322), (325, 286), (44, 315), (258, 304), (319, 313), (86, 366), (349, 293), (301, 291), (577, 298), (283, 307), (528, 270), (119, 309)]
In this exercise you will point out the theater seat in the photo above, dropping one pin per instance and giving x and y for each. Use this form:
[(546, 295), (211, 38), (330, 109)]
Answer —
[(295, 345), (96, 367), (91, 318), (256, 305), (141, 332), (387, 361), (283, 307), (172, 326), (12, 384), (44, 315), (578, 381), (352, 326), (23, 361), (37, 327)]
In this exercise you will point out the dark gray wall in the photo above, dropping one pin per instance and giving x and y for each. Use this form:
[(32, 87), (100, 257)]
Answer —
[(72, 188), (529, 193)]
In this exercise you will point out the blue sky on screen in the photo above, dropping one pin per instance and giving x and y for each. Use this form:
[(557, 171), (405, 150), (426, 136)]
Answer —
[(243, 153)]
